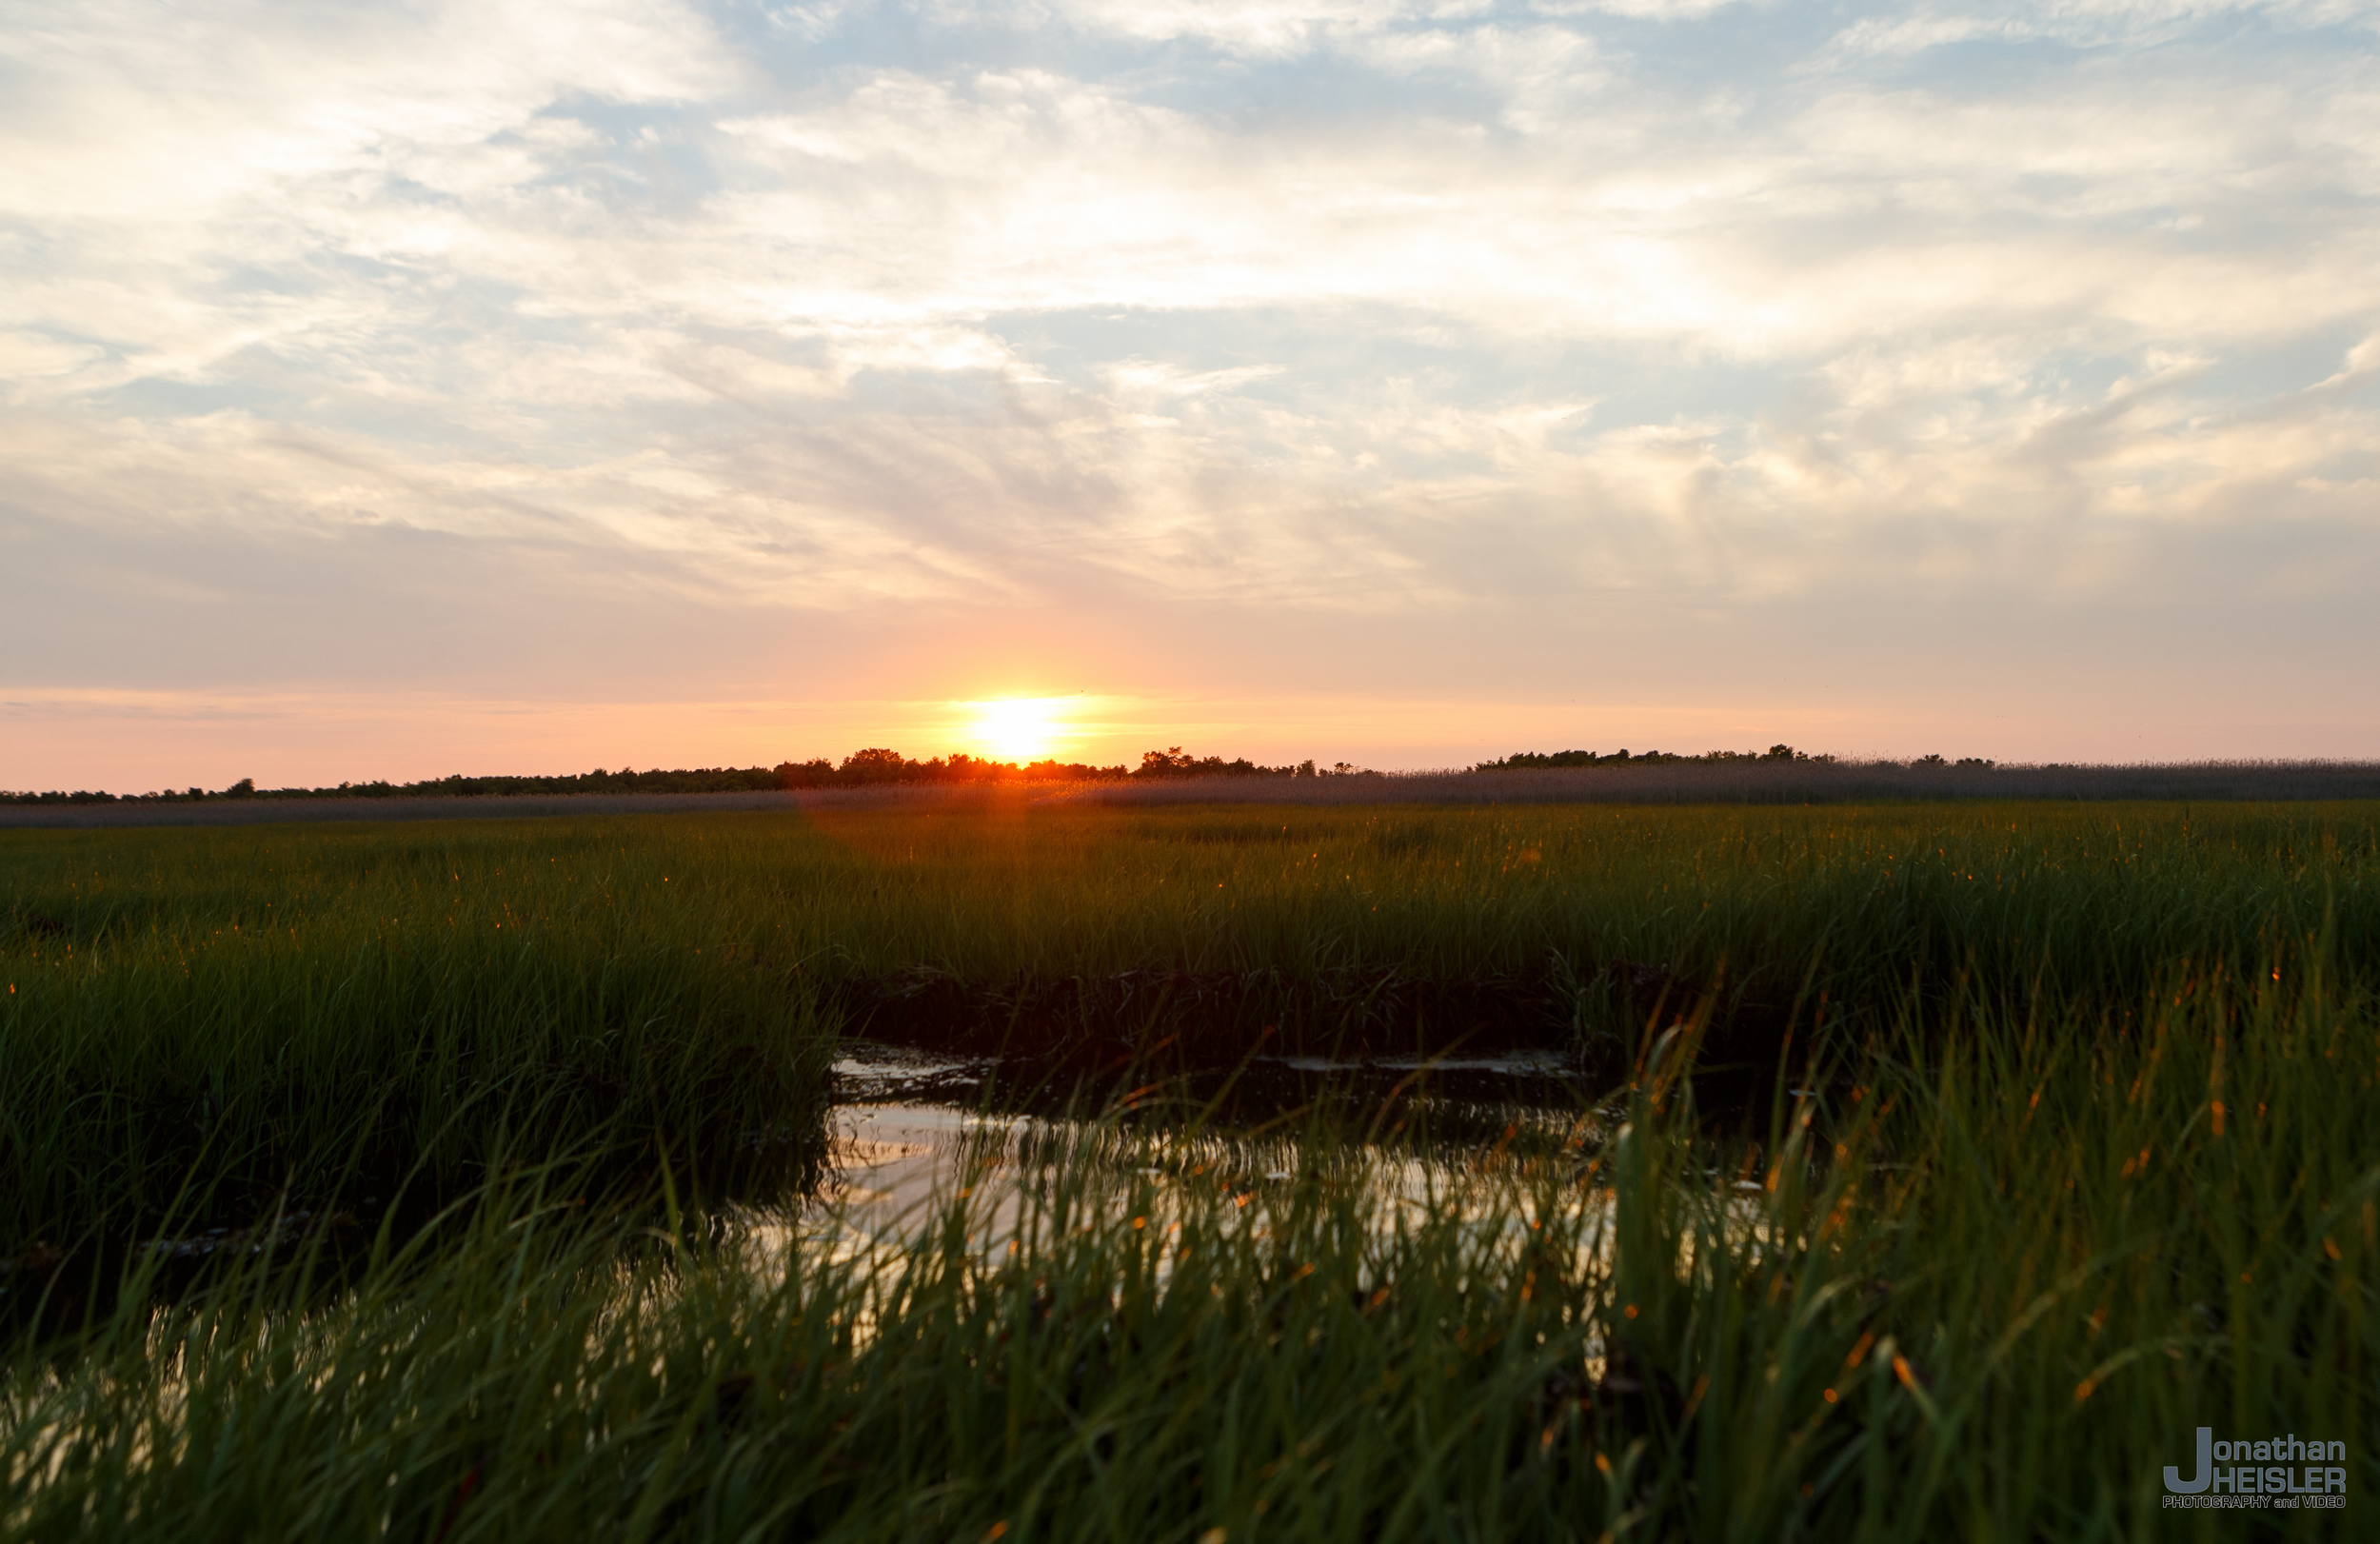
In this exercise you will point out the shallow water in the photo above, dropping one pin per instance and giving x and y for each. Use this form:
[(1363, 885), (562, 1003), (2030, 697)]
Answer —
[(911, 1129)]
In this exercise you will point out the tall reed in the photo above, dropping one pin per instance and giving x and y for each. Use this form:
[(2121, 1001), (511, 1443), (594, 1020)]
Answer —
[(1986, 1291), (198, 1022)]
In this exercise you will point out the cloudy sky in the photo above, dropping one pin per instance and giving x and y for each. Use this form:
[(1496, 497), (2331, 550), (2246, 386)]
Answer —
[(398, 389)]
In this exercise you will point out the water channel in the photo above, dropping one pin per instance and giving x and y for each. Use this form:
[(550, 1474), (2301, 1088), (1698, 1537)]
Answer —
[(910, 1132)]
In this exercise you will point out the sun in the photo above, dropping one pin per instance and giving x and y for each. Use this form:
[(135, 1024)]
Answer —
[(1017, 728)]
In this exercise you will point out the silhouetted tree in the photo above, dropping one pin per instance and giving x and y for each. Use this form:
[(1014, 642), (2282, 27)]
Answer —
[(875, 764)]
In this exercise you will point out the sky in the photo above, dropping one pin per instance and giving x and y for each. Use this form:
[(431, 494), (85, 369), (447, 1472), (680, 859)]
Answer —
[(394, 390)]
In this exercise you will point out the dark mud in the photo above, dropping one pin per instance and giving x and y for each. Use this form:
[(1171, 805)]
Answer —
[(1214, 1019), (1257, 1039), (1461, 1101)]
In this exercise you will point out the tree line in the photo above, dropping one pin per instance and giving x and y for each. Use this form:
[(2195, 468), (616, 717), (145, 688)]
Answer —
[(870, 767), (1520, 760), (878, 765)]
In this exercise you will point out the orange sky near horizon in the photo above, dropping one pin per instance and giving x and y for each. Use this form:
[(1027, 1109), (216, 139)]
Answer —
[(127, 743)]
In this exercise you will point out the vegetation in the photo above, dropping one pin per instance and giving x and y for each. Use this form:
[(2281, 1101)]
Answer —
[(2073, 1159), (1778, 776), (1520, 760), (872, 768), (1759, 779), (195, 1022), (262, 996), (1986, 1292), (700, 781), (877, 768)]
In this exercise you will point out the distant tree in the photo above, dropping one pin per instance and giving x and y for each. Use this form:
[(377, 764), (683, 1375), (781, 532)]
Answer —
[(1169, 763), (875, 764), (245, 788), (1522, 759), (1929, 761)]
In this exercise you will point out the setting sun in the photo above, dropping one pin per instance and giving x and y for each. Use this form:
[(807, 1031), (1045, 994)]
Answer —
[(1017, 728)]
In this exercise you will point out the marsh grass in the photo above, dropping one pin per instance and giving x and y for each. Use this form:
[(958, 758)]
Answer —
[(216, 1015), (2082, 1160), (1987, 1291), (200, 1027)]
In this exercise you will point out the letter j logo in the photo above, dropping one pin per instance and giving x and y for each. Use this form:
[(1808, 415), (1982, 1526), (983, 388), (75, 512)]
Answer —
[(2179, 1486)]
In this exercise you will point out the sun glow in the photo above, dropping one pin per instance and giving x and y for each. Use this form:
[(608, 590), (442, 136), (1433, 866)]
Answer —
[(1017, 728)]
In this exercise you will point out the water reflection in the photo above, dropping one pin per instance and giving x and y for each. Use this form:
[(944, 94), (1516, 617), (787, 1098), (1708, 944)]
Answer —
[(911, 1130), (1485, 1170)]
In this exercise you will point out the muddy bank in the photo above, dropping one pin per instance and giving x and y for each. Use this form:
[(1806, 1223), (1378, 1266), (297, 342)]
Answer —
[(1206, 1017), (1280, 1040), (1458, 1099)]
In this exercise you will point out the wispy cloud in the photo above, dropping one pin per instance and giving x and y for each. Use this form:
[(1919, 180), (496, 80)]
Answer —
[(1383, 316)]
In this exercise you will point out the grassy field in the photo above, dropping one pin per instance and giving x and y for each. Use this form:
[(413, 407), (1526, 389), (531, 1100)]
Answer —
[(2085, 1161), (198, 1024)]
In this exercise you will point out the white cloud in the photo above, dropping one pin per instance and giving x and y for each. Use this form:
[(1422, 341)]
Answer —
[(2085, 23), (1395, 310), (1263, 29)]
